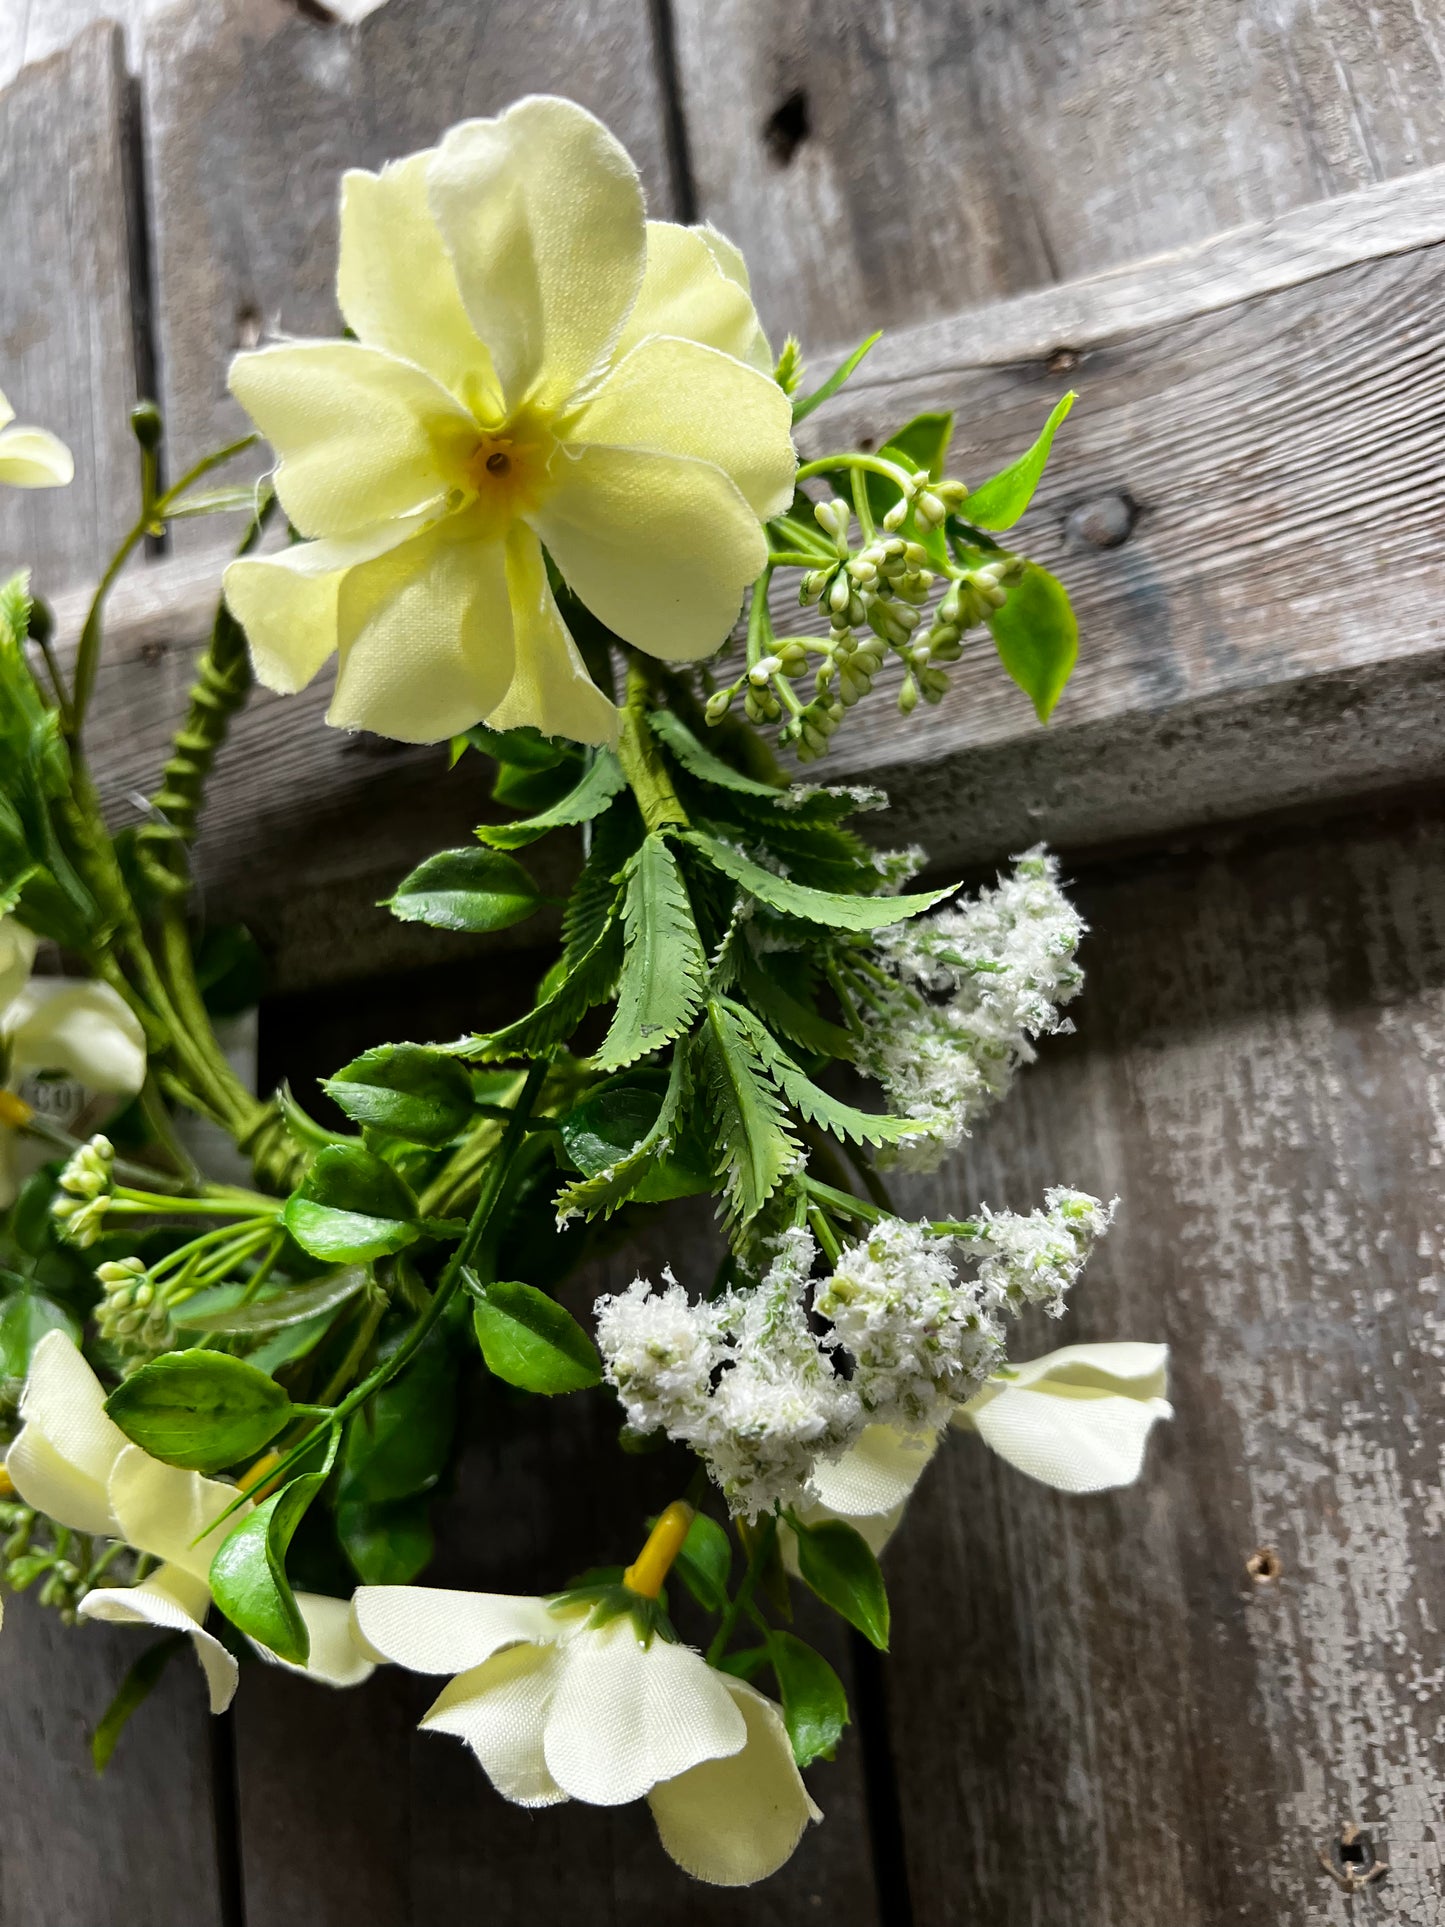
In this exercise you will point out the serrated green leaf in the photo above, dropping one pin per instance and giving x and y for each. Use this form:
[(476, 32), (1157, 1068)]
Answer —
[(471, 890), (1001, 500), (199, 1409), (664, 966), (351, 1207), (302, 1126), (1037, 637), (552, 1021), (532, 1342), (786, 1014), (815, 1706), (838, 1564), (826, 391), (291, 1307), (605, 1190), (817, 1106), (602, 781), (248, 1573), (700, 762), (811, 906), (754, 1142), (405, 1091)]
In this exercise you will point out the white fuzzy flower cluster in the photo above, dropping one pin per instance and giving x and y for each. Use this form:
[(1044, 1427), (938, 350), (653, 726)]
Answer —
[(754, 1390), (976, 983)]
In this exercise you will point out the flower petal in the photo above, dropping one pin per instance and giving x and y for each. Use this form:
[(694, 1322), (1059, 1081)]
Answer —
[(876, 1473), (681, 398), (550, 689), (360, 436), (542, 212), (62, 1459), (659, 547), (171, 1600), (85, 1030), (1124, 1365), (425, 633), (430, 1629), (1075, 1438), (34, 458), (627, 1715), (162, 1509), (7, 413), (17, 956), (396, 285), (737, 1820), (500, 1709), (696, 286), (335, 1658)]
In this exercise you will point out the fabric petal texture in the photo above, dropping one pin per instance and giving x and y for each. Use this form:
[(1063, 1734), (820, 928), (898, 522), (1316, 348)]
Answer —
[(83, 1030), (550, 688), (500, 1709), (627, 1715), (171, 1513), (736, 1820), (1078, 1419), (696, 286), (34, 458), (336, 1658), (174, 1602), (62, 1459), (430, 1629)]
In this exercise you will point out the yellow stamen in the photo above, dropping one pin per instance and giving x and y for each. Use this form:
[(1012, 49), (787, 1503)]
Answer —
[(14, 1111), (254, 1482), (651, 1566), (7, 1484)]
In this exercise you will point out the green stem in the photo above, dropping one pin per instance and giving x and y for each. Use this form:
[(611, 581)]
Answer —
[(825, 1234), (760, 622), (843, 1202), (742, 1599), (862, 507), (641, 761), (874, 464)]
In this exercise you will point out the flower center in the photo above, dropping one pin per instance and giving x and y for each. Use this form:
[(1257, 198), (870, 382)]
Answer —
[(503, 473)]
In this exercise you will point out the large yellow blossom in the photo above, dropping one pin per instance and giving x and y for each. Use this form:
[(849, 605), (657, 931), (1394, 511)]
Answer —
[(535, 363)]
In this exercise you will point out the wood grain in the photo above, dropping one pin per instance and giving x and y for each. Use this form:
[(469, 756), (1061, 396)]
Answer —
[(885, 161), (1098, 1715), (69, 301), (253, 111)]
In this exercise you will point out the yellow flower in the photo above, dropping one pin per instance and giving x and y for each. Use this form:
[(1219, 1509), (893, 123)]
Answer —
[(535, 363), (32, 457)]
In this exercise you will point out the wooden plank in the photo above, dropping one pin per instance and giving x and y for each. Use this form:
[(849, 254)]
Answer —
[(884, 162), (136, 1845), (254, 109), (412, 1830), (1099, 1715), (32, 29), (69, 301)]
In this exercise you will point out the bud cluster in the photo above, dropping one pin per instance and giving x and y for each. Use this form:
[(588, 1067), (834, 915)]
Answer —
[(26, 1562), (134, 1311), (86, 1187)]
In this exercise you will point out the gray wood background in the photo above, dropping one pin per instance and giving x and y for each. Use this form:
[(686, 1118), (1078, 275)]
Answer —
[(1224, 222)]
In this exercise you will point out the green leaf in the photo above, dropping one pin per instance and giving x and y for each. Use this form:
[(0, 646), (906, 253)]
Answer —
[(630, 1173), (611, 1126), (839, 1566), (745, 1664), (293, 1306), (304, 1128), (473, 890), (532, 1342), (665, 965), (754, 1142), (405, 1091), (786, 1013), (213, 501), (802, 409), (1037, 637), (812, 906), (831, 1113), (398, 1444), (248, 1573), (705, 1563), (700, 762), (198, 1409), (815, 1706), (137, 1686), (1001, 500), (526, 748), (602, 781), (351, 1207), (924, 441), (551, 1022), (388, 1544), (24, 1321)]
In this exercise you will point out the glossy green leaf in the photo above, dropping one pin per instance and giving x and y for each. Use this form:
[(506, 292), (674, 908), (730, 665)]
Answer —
[(664, 965), (834, 912), (815, 1706), (1037, 637), (472, 890), (705, 1563), (838, 1564), (351, 1207), (25, 1318), (826, 391), (199, 1409), (525, 748), (614, 1183), (746, 1663), (1001, 500), (602, 780), (248, 1573), (405, 1091), (293, 1306), (531, 1341), (398, 1444), (610, 1126), (388, 1544)]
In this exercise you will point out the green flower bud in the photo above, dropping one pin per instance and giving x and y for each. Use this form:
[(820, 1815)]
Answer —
[(718, 704), (147, 426), (908, 696)]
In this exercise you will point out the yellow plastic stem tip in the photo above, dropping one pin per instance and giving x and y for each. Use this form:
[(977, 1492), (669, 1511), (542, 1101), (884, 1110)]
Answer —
[(651, 1566)]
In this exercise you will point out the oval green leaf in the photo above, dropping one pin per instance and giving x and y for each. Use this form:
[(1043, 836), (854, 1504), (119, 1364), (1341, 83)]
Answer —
[(531, 1341), (839, 1566), (201, 1410), (248, 1573), (815, 1706), (1037, 637), (406, 1091), (25, 1318), (292, 1307), (351, 1207), (472, 890)]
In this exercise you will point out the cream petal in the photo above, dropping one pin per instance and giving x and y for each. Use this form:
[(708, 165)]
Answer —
[(176, 1603), (164, 1510), (360, 437), (288, 603), (17, 956), (396, 285), (550, 688), (335, 1658), (430, 1629), (735, 1821), (680, 398), (7, 413), (34, 458), (542, 212), (659, 547), (62, 1459), (1123, 1365), (1075, 1438), (425, 633), (696, 286), (876, 1473), (85, 1030), (500, 1709), (626, 1715)]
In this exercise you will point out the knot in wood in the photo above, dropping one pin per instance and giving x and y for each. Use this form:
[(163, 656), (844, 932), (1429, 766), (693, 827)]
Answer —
[(1103, 522)]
